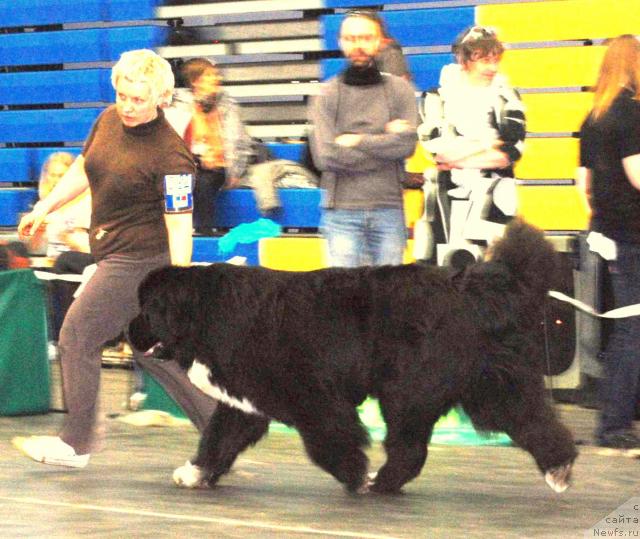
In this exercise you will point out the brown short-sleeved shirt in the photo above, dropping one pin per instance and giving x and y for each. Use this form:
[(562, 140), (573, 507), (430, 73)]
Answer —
[(127, 168)]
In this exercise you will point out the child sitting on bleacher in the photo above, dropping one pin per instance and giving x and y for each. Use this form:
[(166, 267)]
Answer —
[(67, 228)]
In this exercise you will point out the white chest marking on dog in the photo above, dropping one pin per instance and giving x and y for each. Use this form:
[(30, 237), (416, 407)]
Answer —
[(199, 376)]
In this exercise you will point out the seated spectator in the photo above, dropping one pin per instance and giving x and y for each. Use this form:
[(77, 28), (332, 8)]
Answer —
[(209, 122), (226, 155), (67, 228), (474, 126)]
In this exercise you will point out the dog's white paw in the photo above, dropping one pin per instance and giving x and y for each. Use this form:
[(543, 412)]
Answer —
[(189, 476), (365, 488), (559, 478)]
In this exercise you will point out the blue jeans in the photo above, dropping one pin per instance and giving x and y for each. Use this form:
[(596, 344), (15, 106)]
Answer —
[(365, 237), (622, 355)]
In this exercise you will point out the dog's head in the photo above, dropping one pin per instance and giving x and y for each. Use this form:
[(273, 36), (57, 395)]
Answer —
[(528, 256), (166, 315), (509, 289)]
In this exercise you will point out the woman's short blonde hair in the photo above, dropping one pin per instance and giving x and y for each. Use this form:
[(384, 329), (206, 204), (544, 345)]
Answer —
[(146, 65)]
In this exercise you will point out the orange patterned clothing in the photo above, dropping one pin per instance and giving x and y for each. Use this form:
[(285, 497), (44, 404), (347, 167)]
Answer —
[(204, 137)]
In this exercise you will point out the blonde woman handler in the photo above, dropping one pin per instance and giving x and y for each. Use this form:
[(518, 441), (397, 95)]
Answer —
[(141, 176)]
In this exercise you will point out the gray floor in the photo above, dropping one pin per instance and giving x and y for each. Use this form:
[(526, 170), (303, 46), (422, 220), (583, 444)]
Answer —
[(275, 492)]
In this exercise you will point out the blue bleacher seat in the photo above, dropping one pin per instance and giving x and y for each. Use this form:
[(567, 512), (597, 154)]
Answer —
[(126, 10), (42, 12), (23, 165), (300, 208), (69, 86), (425, 68), (92, 45), (15, 165), (47, 125), (13, 202), (119, 40), (411, 27), (205, 249), (57, 47), (364, 3), (290, 151)]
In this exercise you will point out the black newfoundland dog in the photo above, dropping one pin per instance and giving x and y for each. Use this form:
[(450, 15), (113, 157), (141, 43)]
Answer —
[(306, 348)]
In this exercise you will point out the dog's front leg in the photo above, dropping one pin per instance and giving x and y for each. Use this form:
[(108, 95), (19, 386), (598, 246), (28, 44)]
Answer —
[(229, 432)]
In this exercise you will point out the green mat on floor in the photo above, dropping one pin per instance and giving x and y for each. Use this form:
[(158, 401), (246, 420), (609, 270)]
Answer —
[(453, 429)]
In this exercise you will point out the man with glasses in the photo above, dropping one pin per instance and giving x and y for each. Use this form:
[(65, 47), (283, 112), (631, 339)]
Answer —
[(364, 126)]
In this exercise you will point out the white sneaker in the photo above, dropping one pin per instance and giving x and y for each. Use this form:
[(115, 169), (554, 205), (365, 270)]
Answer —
[(136, 400), (50, 450)]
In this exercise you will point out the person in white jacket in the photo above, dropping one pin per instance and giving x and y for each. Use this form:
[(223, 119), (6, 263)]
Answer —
[(474, 126)]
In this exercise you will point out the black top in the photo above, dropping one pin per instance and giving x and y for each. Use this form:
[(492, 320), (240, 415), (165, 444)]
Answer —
[(603, 144), (127, 168)]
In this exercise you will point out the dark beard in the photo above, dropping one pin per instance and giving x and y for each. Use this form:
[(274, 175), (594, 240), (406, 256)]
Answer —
[(362, 75)]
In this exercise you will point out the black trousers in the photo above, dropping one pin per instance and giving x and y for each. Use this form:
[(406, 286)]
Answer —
[(208, 183)]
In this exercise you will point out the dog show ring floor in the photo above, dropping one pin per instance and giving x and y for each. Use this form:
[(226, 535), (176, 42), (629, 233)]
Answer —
[(274, 491)]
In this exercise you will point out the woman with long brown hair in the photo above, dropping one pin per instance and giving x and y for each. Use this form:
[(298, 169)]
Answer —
[(610, 175)]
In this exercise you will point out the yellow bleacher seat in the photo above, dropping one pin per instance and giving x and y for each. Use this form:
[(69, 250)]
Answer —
[(548, 158), (293, 253), (553, 207), (413, 205), (419, 160), (552, 67), (561, 19), (556, 112), (303, 253)]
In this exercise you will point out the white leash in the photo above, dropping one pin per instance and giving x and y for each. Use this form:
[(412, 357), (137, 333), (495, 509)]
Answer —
[(621, 312), (50, 276)]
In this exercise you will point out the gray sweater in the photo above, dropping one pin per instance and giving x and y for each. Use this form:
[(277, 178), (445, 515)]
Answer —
[(368, 175)]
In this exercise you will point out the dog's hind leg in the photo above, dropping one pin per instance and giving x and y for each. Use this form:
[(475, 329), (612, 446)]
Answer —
[(409, 428), (334, 437), (229, 432), (521, 410)]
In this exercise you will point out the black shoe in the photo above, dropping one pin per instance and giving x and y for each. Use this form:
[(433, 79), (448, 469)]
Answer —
[(626, 441)]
